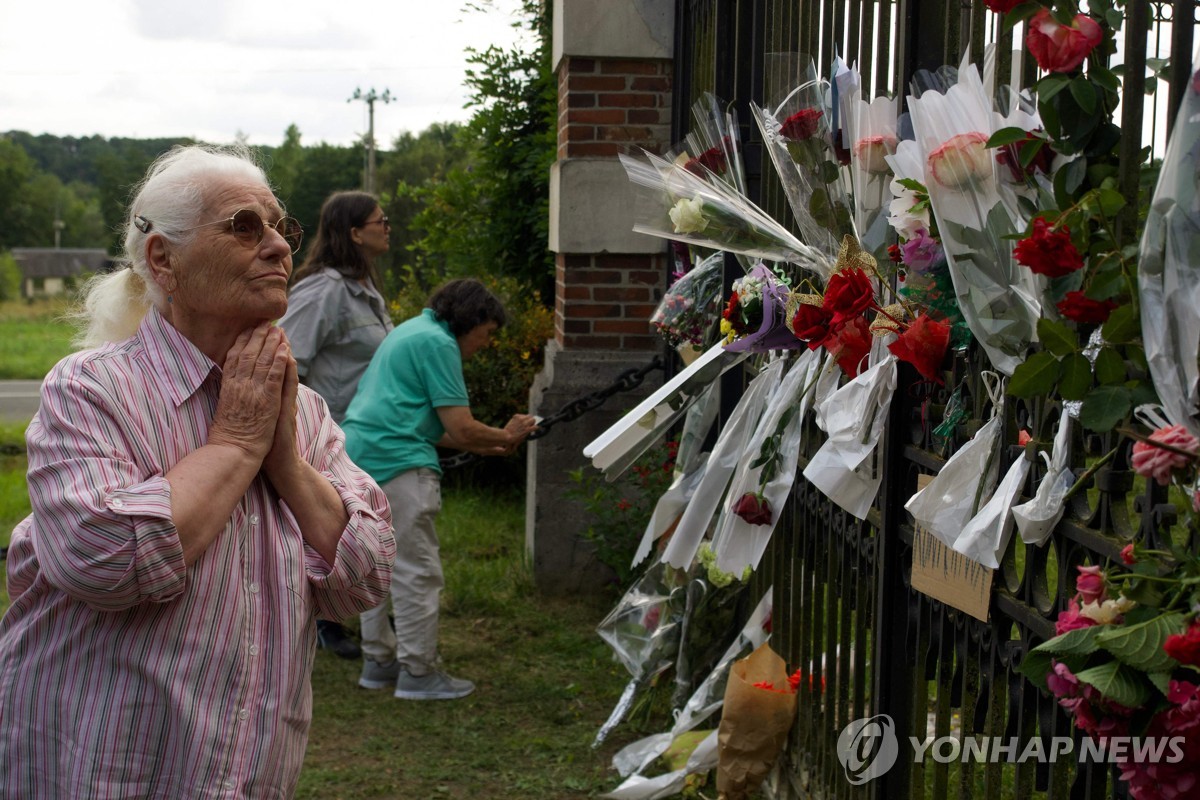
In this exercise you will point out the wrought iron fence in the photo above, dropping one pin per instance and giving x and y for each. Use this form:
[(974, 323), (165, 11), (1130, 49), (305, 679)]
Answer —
[(845, 609)]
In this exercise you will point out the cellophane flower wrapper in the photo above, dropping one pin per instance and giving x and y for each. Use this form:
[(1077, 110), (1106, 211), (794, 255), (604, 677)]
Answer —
[(691, 306), (1169, 270), (737, 543), (696, 518), (643, 631), (772, 332), (855, 416), (667, 510), (636, 758), (997, 297), (717, 606), (964, 483), (797, 136), (870, 136), (710, 214), (715, 131), (1037, 517)]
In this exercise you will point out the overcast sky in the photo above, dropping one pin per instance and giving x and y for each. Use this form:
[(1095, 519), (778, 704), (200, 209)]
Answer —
[(210, 69)]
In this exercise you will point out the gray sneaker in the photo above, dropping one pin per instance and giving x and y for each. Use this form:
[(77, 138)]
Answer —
[(379, 676), (436, 685)]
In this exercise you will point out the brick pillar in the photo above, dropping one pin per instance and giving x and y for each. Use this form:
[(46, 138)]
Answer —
[(613, 63)]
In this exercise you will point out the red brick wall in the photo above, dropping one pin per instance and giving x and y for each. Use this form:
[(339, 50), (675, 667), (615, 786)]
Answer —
[(604, 301), (610, 106), (607, 107)]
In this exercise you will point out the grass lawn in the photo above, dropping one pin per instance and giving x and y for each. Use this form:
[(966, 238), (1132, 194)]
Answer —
[(33, 337)]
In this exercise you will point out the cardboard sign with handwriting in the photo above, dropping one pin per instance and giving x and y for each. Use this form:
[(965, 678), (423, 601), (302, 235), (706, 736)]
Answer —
[(947, 575)]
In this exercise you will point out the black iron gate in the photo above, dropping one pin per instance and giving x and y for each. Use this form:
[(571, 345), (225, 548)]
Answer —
[(845, 611)]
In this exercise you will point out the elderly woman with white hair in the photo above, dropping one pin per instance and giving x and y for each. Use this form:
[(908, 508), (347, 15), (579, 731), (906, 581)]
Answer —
[(194, 510)]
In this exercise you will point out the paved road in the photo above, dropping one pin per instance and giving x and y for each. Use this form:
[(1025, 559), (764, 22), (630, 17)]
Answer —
[(18, 400)]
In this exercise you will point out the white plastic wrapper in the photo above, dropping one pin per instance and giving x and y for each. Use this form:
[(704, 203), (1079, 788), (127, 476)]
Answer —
[(1169, 271), (635, 758), (668, 508), (844, 469), (986, 536), (736, 543), (617, 448), (689, 533), (1036, 518), (999, 299), (964, 483)]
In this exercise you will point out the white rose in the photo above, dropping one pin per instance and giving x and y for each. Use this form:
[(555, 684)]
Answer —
[(872, 151), (961, 161), (688, 217)]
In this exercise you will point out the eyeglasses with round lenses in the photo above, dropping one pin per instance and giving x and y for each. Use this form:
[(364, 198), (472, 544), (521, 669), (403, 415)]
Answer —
[(248, 228)]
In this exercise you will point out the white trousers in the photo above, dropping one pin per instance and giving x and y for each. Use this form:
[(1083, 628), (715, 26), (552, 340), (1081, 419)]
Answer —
[(416, 499)]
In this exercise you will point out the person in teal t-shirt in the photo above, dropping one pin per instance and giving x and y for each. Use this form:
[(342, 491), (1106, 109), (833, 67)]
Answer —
[(411, 400)]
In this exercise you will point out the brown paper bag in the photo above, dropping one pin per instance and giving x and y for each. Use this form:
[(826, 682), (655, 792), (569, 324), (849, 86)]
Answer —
[(754, 723)]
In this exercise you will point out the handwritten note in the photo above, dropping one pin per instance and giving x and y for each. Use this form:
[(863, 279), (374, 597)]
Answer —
[(949, 576)]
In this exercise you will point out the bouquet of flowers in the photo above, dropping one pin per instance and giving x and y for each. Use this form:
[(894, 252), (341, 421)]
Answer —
[(999, 301), (685, 207), (753, 319), (870, 137), (715, 141), (688, 312), (799, 139)]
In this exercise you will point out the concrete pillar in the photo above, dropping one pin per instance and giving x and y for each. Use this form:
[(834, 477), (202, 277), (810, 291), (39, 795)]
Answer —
[(614, 70)]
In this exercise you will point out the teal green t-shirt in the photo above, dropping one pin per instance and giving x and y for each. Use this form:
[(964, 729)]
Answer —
[(392, 424)]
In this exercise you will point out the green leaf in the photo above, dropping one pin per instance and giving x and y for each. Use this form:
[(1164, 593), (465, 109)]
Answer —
[(1075, 172), (1079, 642), (1005, 136), (1051, 85), (1115, 18), (1084, 93), (1104, 407), (1035, 667), (1105, 77), (1111, 201), (1110, 367), (1057, 337), (1141, 646), (1107, 282), (1037, 375), (1030, 152), (913, 185), (1117, 682), (1122, 326), (1161, 681), (1076, 377)]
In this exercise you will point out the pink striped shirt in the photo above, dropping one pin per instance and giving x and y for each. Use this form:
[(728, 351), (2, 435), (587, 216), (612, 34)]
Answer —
[(124, 673)]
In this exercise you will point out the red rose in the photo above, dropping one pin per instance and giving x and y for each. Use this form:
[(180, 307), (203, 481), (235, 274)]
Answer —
[(1185, 647), (1048, 252), (923, 344), (811, 325), (850, 345), (1127, 554), (753, 508), (1078, 307), (848, 294), (1010, 156), (894, 253), (713, 159), (801, 125), (1062, 48), (1002, 6)]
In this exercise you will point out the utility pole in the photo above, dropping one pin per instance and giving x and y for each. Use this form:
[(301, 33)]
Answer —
[(369, 98)]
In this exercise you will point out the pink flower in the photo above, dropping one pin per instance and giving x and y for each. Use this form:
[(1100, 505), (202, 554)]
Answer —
[(921, 252), (1127, 554), (1062, 48), (1153, 461), (1071, 619), (1023, 437), (1090, 584), (961, 161), (870, 152), (753, 508), (1061, 682)]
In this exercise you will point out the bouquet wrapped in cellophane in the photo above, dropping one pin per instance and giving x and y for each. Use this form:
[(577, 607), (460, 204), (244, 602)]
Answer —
[(688, 313), (686, 207), (998, 299), (798, 137), (713, 149), (869, 134)]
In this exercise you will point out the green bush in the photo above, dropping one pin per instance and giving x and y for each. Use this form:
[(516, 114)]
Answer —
[(619, 512)]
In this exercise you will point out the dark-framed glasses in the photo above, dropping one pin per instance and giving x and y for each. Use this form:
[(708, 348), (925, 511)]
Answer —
[(247, 227), (382, 220)]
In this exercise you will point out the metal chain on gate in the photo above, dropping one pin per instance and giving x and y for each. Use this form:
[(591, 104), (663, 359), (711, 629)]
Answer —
[(626, 381)]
